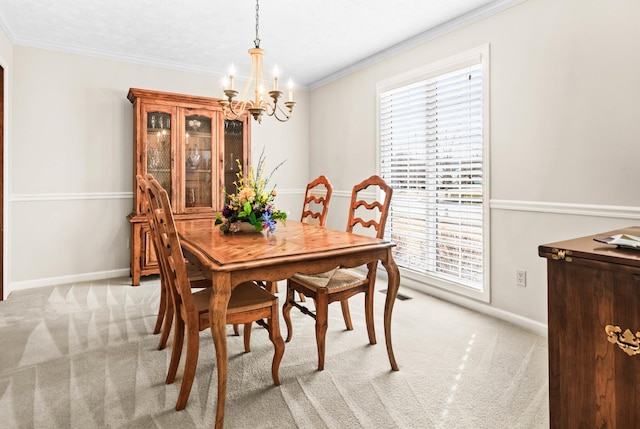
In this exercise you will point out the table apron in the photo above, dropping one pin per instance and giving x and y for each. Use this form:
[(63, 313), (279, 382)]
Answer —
[(281, 270)]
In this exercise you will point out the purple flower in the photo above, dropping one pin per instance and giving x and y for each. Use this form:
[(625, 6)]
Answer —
[(268, 223)]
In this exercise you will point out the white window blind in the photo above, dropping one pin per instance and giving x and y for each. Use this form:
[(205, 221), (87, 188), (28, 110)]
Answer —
[(431, 153)]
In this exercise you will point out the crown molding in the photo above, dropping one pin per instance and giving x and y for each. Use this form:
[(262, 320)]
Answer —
[(113, 56), (4, 24), (427, 36)]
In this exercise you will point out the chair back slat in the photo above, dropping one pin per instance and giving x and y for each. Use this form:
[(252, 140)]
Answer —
[(145, 205), (370, 213), (169, 251), (316, 201)]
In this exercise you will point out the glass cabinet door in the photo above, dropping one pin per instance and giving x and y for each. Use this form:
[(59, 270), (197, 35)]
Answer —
[(158, 147), (233, 153), (199, 159)]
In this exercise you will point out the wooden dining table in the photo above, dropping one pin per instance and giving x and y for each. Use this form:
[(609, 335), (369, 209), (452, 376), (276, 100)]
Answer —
[(295, 247)]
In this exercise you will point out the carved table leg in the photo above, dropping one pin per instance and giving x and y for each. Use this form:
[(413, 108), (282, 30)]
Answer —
[(392, 291), (217, 317)]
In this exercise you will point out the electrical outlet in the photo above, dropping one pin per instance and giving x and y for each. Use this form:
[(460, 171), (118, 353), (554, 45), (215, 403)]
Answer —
[(521, 278)]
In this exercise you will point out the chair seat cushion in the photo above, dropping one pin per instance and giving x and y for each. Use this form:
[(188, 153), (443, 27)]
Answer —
[(249, 296), (246, 296), (334, 280)]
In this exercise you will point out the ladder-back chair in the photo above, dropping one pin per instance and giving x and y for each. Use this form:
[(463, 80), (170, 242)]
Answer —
[(164, 320), (341, 284), (248, 302)]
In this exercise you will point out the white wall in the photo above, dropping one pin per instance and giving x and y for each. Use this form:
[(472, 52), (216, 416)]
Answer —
[(72, 150), (564, 132)]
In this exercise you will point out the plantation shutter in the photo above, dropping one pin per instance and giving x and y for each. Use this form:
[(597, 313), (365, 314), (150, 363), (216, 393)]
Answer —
[(431, 147)]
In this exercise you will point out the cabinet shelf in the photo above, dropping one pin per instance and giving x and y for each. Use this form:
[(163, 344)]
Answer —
[(197, 134)]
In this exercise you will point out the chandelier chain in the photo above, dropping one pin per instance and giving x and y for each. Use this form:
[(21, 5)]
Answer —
[(257, 41)]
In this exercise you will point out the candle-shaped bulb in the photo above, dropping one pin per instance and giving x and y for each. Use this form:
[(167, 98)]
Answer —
[(231, 73), (275, 78), (290, 90)]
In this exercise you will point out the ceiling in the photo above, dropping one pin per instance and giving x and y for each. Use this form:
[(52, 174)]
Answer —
[(310, 41)]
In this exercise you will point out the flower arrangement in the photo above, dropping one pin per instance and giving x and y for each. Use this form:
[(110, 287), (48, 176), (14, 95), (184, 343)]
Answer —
[(251, 203)]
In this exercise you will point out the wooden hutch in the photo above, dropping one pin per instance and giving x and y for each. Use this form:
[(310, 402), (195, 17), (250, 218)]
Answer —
[(185, 142)]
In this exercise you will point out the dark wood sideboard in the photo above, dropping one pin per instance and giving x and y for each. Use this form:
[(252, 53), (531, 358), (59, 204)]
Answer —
[(594, 330)]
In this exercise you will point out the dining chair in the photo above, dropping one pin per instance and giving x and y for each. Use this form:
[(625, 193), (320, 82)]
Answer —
[(315, 208), (316, 201), (340, 284), (164, 319), (248, 302)]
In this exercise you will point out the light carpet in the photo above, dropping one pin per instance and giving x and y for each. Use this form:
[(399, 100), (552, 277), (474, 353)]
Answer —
[(83, 356)]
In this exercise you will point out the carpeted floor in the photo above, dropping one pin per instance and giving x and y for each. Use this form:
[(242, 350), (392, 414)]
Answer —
[(83, 356)]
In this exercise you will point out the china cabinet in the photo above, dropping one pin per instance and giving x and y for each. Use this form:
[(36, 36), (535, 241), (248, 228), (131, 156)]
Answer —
[(187, 145)]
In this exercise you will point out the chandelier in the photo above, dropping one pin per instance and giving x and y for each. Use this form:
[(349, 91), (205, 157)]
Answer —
[(233, 109)]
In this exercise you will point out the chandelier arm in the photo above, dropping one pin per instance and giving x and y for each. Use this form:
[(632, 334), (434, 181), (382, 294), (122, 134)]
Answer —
[(234, 113), (229, 114), (239, 112), (273, 109)]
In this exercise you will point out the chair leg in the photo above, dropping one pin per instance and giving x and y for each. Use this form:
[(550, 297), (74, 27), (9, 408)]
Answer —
[(161, 308), (176, 350), (247, 337), (278, 345), (322, 312), (346, 314), (286, 311), (368, 312), (193, 348), (236, 331), (302, 298), (272, 287), (166, 326)]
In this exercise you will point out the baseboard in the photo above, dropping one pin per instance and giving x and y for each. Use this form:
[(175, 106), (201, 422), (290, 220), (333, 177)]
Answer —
[(76, 278), (515, 319), (525, 323)]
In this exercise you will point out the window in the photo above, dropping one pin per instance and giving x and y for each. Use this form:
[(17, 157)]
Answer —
[(433, 152)]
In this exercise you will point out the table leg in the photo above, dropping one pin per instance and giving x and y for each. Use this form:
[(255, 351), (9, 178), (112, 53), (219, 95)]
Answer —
[(392, 291), (217, 318)]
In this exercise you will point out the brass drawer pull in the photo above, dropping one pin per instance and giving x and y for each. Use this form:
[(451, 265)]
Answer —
[(627, 341), (561, 255)]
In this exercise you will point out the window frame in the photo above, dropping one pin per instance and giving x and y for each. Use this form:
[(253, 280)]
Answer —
[(478, 55)]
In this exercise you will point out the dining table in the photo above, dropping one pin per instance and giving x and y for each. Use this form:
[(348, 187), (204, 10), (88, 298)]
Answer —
[(228, 259)]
